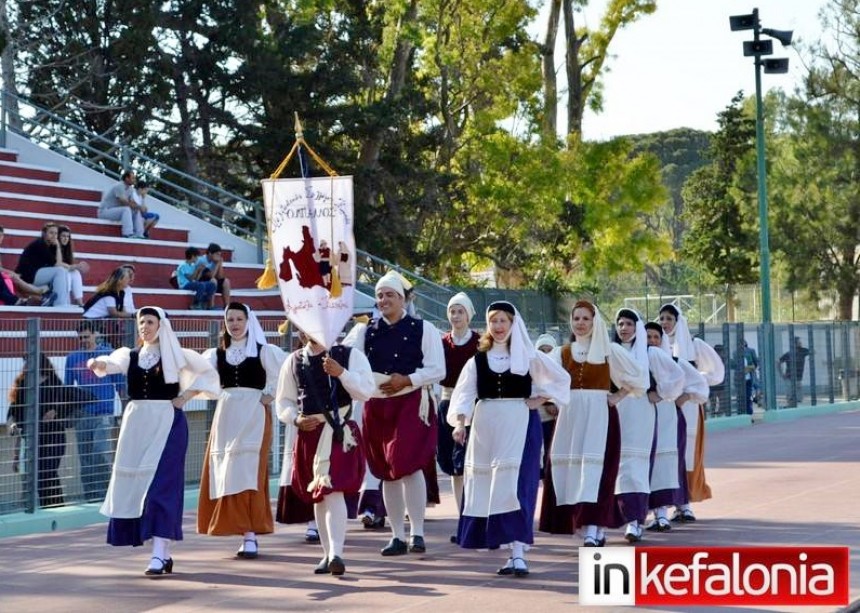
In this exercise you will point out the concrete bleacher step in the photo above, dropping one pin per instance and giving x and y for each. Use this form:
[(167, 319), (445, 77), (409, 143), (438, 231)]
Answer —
[(89, 243), (149, 271), (8, 155), (51, 189), (84, 225), (27, 171), (47, 206)]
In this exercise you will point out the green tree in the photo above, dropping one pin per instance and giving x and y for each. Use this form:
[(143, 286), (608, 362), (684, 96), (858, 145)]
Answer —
[(719, 204), (816, 178)]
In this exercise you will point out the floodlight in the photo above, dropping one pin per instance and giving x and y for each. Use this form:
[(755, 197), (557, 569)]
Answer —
[(742, 22), (776, 65)]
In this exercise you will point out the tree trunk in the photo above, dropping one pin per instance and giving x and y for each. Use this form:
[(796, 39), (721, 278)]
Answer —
[(550, 85), (575, 101), (7, 69)]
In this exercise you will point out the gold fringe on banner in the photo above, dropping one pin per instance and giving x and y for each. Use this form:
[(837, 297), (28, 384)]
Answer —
[(268, 279)]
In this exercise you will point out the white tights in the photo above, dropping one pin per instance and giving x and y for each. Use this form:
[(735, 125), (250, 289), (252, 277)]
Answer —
[(406, 495), (330, 514)]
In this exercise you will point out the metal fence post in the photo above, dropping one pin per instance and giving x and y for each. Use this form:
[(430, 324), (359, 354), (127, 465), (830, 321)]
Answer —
[(32, 410), (810, 340), (831, 362)]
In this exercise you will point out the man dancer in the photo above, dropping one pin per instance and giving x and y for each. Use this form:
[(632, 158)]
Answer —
[(399, 428)]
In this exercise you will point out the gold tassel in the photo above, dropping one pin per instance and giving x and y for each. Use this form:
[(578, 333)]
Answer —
[(268, 279), (284, 328), (336, 288)]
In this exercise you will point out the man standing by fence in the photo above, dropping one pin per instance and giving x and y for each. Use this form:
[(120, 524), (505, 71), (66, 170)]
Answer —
[(791, 365)]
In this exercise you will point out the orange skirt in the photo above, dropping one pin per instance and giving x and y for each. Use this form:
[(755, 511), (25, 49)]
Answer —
[(698, 487), (248, 511)]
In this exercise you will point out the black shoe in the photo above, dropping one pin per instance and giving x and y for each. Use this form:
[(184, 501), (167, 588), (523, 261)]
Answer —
[(48, 299), (395, 547), (521, 569), (455, 539), (312, 535), (165, 568), (248, 555), (322, 568), (507, 569), (372, 522), (416, 545), (336, 566)]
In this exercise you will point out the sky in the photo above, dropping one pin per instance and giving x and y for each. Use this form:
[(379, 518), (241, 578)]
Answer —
[(682, 65)]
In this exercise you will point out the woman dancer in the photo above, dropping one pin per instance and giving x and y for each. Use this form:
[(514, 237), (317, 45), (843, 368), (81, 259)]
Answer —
[(509, 380), (459, 344), (147, 486), (669, 469), (234, 485), (704, 359), (579, 493)]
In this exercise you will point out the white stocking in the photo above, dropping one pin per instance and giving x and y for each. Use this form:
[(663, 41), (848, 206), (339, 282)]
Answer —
[(415, 489), (395, 506), (335, 522), (320, 512), (457, 487), (159, 548)]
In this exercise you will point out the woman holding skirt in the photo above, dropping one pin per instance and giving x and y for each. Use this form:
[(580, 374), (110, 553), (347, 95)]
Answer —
[(509, 380), (147, 486), (234, 484)]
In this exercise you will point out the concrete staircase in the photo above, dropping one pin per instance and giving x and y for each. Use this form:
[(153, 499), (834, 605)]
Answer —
[(32, 194)]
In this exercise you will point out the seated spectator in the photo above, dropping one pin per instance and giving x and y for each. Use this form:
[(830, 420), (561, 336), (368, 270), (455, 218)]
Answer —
[(214, 263), (11, 284), (118, 205), (150, 219), (193, 275), (74, 268), (108, 303), (128, 297), (38, 266)]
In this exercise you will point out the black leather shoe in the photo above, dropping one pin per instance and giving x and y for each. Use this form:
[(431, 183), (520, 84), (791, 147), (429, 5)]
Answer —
[(507, 569), (395, 547), (521, 569), (416, 545), (455, 539), (322, 568), (165, 567), (248, 555), (336, 566)]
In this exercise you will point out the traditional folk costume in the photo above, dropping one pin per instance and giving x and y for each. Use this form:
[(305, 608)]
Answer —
[(502, 467), (545, 343), (234, 484), (328, 461), (636, 420), (668, 474), (147, 486), (400, 430), (585, 453), (709, 364), (458, 349)]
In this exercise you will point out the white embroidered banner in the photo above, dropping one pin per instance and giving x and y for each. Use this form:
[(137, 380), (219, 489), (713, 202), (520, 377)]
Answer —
[(313, 251)]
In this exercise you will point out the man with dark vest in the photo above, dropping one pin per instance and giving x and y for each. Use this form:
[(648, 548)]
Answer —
[(399, 427)]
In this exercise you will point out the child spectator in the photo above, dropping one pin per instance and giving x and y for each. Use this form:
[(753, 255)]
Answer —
[(193, 275), (214, 263), (150, 219), (108, 301), (74, 269)]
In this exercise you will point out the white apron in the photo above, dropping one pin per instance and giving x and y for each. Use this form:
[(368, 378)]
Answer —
[(234, 442), (142, 436), (636, 419), (578, 446), (691, 415), (664, 476), (493, 457)]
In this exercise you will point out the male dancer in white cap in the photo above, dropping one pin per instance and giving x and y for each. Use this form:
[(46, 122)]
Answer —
[(399, 429)]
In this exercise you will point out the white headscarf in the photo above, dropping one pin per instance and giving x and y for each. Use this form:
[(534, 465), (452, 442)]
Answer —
[(464, 301), (521, 349), (640, 347), (665, 345), (599, 349), (392, 280), (545, 339), (680, 338), (253, 330), (172, 357)]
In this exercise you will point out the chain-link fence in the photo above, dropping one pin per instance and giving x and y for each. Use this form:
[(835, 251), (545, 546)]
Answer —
[(61, 449)]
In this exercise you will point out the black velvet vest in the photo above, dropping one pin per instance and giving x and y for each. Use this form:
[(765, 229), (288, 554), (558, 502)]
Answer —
[(248, 373), (395, 348), (315, 395), (500, 385), (148, 384)]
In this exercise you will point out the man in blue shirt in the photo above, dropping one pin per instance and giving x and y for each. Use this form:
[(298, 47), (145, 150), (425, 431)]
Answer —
[(95, 426), (213, 260), (193, 275)]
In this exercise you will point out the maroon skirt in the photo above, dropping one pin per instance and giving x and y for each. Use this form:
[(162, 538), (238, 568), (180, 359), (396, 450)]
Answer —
[(396, 442), (346, 469)]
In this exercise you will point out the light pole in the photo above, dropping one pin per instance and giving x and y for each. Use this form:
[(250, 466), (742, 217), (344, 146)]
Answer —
[(757, 48)]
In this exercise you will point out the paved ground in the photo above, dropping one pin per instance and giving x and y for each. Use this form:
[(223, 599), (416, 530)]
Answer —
[(789, 483)]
